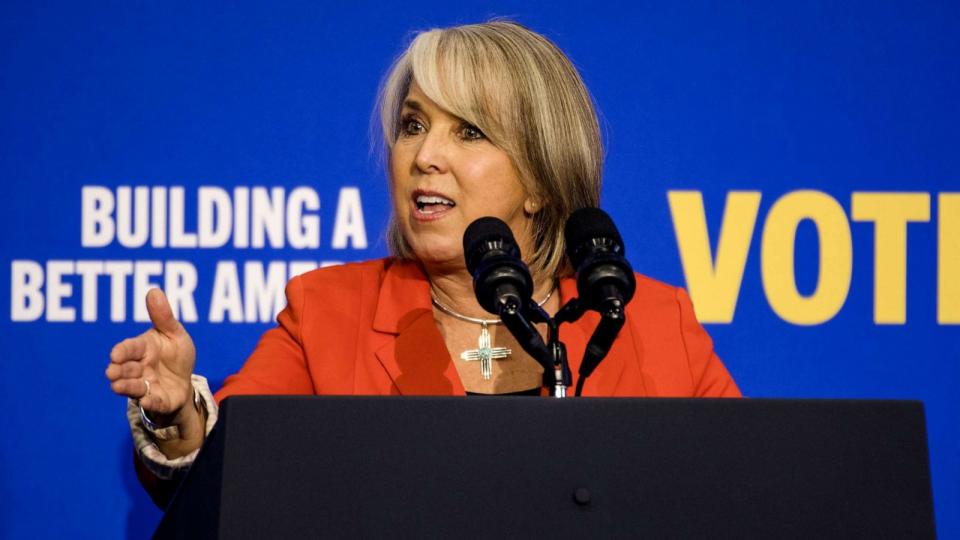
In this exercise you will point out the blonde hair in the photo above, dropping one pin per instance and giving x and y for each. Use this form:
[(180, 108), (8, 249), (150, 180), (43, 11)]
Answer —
[(524, 94)]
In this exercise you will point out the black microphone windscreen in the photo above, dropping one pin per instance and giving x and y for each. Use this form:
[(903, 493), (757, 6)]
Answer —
[(481, 232), (583, 226)]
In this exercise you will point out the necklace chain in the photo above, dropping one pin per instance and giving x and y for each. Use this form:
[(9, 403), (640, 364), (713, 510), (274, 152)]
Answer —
[(475, 320)]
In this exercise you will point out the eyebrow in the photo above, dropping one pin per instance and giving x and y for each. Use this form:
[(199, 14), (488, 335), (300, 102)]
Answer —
[(413, 104)]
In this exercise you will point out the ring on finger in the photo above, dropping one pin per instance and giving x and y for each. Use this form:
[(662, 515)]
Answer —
[(147, 384)]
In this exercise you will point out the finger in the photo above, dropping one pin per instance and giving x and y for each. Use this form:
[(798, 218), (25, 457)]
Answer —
[(127, 370), (134, 388), (160, 313), (129, 349)]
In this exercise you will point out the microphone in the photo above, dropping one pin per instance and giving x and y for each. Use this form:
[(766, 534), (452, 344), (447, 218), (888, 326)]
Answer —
[(500, 277), (605, 279)]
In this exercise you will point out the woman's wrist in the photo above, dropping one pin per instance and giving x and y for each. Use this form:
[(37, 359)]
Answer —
[(163, 458), (190, 433), (172, 426)]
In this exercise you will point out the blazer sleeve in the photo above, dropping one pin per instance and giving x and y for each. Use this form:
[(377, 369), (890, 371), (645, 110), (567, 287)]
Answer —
[(278, 364), (710, 377)]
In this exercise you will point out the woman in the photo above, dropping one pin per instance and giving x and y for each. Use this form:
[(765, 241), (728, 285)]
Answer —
[(479, 120)]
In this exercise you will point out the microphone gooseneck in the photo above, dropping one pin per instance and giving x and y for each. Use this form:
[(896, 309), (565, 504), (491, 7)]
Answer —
[(605, 280), (504, 287)]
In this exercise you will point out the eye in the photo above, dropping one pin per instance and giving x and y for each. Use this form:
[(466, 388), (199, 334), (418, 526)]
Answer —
[(409, 126), (471, 132)]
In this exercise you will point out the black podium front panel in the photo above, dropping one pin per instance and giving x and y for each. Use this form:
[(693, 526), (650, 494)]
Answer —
[(307, 467)]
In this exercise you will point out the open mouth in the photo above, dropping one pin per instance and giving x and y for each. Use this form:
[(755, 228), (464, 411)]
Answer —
[(432, 204)]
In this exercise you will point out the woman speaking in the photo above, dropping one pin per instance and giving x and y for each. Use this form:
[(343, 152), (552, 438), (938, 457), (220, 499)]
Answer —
[(479, 120)]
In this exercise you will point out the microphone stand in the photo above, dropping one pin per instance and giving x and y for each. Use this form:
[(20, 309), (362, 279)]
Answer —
[(551, 355)]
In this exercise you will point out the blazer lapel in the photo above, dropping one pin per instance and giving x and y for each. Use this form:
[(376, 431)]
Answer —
[(417, 360)]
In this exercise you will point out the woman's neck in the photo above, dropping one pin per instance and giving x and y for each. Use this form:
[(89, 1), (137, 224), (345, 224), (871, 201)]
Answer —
[(454, 289)]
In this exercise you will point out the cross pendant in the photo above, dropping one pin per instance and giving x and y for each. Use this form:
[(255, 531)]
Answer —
[(485, 353)]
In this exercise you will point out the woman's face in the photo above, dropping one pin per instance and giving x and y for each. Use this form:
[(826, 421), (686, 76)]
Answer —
[(444, 174)]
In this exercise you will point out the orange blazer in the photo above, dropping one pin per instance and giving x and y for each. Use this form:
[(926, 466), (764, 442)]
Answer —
[(368, 328)]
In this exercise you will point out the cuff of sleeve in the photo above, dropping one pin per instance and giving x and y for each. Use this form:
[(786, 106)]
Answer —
[(151, 456)]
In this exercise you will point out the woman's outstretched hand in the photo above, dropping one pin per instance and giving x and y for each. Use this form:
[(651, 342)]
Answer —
[(155, 368)]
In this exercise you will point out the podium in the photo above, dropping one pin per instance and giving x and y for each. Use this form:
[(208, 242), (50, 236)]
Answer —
[(512, 467)]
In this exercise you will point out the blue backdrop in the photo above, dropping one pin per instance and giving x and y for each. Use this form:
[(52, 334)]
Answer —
[(793, 164)]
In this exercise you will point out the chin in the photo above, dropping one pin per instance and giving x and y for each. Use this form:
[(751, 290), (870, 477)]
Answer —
[(438, 253)]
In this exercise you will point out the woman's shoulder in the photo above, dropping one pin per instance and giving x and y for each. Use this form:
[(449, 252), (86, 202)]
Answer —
[(347, 284), (655, 289), (349, 274), (347, 271), (655, 298)]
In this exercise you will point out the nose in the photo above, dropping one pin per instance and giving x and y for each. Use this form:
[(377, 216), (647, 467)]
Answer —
[(433, 153)]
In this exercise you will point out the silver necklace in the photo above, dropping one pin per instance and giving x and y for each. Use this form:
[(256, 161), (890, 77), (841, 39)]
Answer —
[(484, 352)]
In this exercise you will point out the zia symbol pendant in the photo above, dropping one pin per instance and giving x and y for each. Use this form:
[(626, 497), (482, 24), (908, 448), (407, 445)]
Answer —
[(485, 353)]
